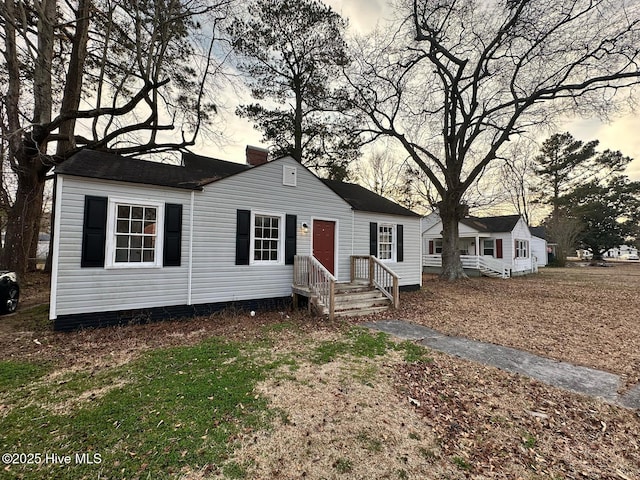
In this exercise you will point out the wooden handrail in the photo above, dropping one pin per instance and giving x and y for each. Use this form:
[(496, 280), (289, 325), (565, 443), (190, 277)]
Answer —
[(310, 273), (380, 278), (368, 268)]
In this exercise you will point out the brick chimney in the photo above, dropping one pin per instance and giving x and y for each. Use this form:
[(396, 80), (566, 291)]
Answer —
[(256, 155)]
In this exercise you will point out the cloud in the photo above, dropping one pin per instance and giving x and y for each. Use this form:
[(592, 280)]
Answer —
[(621, 134), (362, 14)]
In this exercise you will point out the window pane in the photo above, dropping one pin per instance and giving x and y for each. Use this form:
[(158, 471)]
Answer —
[(122, 255), (136, 230), (123, 211), (150, 228), (122, 241), (136, 213), (122, 226), (266, 238)]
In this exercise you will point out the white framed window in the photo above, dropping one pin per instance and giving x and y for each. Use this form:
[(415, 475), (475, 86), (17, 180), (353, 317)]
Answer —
[(522, 249), (489, 247), (437, 246), (134, 234), (387, 242), (266, 238)]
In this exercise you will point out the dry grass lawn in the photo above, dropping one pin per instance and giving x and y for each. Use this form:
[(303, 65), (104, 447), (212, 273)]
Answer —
[(445, 419)]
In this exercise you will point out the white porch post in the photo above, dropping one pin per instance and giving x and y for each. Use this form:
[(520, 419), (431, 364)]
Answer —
[(478, 250)]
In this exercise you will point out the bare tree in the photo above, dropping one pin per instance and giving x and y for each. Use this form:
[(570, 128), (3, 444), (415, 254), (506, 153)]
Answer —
[(518, 177), (564, 229), (457, 79), (381, 172), (112, 75)]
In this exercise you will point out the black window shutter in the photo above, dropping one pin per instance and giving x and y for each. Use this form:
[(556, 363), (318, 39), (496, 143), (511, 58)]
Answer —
[(373, 239), (290, 239), (172, 235), (243, 236), (94, 231), (400, 244)]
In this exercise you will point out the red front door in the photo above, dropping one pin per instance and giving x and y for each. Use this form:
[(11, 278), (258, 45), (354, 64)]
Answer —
[(324, 242)]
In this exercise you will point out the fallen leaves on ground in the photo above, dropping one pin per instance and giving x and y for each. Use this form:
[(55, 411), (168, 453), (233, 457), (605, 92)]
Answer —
[(587, 316), (506, 426)]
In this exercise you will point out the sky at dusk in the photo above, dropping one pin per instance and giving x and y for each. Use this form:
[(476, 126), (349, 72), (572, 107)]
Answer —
[(621, 134)]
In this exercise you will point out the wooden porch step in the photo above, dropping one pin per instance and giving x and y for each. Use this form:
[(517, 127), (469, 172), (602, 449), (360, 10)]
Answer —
[(490, 273), (352, 299), (358, 296), (360, 300), (362, 311), (353, 287)]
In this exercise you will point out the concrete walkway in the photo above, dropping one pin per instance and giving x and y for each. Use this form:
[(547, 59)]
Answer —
[(583, 380)]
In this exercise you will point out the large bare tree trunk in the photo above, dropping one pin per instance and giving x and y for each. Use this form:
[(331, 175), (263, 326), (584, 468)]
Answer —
[(451, 212), (22, 218)]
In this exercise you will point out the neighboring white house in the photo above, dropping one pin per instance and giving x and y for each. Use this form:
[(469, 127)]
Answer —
[(540, 249), (495, 246), (145, 240), (622, 252)]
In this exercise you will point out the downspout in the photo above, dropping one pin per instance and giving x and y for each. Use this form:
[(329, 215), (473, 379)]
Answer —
[(421, 243), (57, 199), (353, 230), (193, 196)]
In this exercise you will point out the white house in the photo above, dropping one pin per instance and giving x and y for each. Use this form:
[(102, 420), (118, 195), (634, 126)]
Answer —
[(539, 247), (494, 246), (622, 252), (145, 240)]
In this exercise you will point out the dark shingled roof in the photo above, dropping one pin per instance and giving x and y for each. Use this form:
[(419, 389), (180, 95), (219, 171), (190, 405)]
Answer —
[(198, 171), (539, 232), (216, 168), (365, 200), (504, 223), (108, 166)]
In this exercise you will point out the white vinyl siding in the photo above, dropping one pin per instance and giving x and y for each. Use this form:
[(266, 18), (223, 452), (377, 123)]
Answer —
[(539, 250), (216, 277), (509, 254), (83, 290), (211, 274), (521, 261), (410, 269)]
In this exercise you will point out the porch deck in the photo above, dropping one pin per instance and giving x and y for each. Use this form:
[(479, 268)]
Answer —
[(487, 266), (372, 287)]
